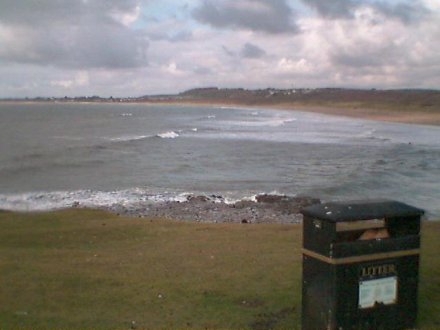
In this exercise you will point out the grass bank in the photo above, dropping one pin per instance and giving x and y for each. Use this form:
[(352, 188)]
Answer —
[(89, 269)]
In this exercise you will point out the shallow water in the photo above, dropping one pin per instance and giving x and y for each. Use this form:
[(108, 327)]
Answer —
[(53, 155)]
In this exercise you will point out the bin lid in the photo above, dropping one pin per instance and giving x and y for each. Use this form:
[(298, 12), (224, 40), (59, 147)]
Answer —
[(361, 210)]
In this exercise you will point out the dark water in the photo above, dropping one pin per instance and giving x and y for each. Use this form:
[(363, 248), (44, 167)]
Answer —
[(53, 155)]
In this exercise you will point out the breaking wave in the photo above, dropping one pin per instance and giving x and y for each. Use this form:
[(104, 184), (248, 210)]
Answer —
[(54, 200), (129, 138), (168, 135), (45, 201)]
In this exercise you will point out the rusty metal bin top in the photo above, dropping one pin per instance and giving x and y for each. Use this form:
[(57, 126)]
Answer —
[(361, 210)]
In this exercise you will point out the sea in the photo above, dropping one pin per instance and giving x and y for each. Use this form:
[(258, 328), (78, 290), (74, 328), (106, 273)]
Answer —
[(56, 155)]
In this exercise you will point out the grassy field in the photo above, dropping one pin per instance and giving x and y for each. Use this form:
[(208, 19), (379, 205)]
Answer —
[(88, 269)]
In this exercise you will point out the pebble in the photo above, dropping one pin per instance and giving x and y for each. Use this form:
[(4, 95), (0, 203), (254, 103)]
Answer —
[(277, 209)]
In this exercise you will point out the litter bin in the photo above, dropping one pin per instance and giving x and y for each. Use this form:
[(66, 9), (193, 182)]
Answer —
[(360, 265)]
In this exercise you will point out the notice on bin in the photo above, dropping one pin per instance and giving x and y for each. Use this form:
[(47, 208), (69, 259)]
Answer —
[(381, 291)]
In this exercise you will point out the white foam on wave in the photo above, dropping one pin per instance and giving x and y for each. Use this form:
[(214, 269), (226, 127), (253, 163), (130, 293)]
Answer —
[(367, 134), (168, 135), (289, 120), (129, 138), (53, 200), (241, 108), (280, 121), (230, 200), (260, 122), (127, 114), (372, 134), (45, 201)]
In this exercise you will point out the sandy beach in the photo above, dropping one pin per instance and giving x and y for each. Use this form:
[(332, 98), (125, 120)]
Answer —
[(418, 117), (421, 118)]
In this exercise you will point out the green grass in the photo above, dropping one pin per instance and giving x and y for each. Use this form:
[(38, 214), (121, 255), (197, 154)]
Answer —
[(88, 269)]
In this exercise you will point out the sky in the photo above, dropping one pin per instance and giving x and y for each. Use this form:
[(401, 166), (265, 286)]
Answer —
[(129, 48)]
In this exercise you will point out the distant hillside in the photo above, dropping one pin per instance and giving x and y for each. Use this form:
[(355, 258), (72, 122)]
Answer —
[(408, 99)]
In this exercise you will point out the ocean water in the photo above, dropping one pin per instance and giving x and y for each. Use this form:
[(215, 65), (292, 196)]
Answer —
[(55, 155)]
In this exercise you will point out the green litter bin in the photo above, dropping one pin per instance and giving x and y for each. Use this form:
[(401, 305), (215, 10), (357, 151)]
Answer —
[(360, 265)]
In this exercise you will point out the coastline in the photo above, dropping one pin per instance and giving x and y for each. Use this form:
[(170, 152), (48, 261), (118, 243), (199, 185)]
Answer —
[(207, 211), (406, 116)]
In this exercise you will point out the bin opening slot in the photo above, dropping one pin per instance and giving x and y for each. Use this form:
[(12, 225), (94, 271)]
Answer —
[(370, 229), (360, 225), (381, 233)]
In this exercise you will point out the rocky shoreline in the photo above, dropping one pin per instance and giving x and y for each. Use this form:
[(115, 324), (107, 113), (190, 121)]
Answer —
[(214, 209)]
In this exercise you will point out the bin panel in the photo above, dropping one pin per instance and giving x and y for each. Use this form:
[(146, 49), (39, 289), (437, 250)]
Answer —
[(397, 310), (318, 294), (318, 235), (331, 295)]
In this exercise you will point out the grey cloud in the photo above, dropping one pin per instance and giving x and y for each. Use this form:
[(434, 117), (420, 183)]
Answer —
[(405, 11), (228, 51), (270, 16), (358, 61), (172, 29), (71, 34), (366, 57), (179, 36), (252, 51), (49, 12), (109, 47), (332, 8), (247, 51), (38, 12), (202, 70)]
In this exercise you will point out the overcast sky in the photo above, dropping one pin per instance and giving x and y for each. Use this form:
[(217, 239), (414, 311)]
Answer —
[(138, 47)]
